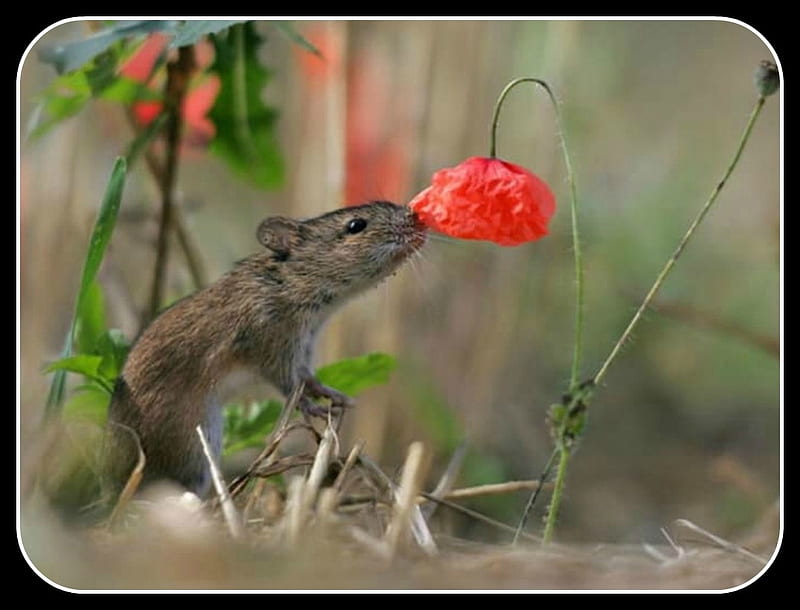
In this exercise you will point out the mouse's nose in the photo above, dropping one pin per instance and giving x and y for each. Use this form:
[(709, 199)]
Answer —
[(415, 221)]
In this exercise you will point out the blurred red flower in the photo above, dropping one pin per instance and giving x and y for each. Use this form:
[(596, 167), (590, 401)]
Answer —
[(378, 113), (486, 198), (199, 99)]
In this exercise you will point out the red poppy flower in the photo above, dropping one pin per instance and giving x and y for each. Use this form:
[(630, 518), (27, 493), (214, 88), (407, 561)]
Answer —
[(486, 198)]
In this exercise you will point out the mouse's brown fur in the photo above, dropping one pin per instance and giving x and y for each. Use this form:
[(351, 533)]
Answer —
[(262, 315)]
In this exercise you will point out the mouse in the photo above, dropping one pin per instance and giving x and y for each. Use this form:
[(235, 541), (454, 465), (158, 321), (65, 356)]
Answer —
[(263, 315)]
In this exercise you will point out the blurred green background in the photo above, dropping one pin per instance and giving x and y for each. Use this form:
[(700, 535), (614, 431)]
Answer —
[(686, 424)]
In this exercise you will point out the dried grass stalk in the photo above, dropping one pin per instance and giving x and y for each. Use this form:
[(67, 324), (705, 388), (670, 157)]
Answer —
[(232, 518)]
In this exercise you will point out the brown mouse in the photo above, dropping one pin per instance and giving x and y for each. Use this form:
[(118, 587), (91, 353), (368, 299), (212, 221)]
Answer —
[(263, 315)]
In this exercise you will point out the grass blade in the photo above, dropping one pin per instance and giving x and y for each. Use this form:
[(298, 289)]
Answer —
[(101, 234)]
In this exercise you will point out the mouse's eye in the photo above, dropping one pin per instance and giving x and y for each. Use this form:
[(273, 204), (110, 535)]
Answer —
[(356, 225)]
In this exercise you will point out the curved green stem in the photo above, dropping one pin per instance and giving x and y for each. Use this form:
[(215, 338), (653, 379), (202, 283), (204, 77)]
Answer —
[(562, 450), (576, 243)]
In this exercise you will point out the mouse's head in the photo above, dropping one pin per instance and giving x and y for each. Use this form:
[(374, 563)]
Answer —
[(347, 250)]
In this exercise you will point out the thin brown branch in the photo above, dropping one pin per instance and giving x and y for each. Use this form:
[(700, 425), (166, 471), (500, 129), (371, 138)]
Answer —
[(712, 321), (338, 484), (133, 482), (194, 260), (492, 489), (419, 527), (281, 429), (191, 252), (479, 516), (178, 73), (281, 465), (448, 479)]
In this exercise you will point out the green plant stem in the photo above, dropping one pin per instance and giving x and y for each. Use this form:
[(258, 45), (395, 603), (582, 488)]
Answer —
[(576, 242), (178, 73), (577, 351), (662, 276), (564, 444), (564, 453)]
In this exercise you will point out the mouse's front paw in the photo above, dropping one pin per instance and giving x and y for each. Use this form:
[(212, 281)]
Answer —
[(314, 389)]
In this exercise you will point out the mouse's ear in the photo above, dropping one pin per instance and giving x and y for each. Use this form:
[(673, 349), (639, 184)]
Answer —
[(279, 234)]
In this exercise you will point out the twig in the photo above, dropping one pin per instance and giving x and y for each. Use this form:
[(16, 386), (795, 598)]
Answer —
[(326, 507), (564, 444), (280, 430), (448, 479), (277, 466), (194, 261), (419, 527), (191, 253), (319, 468), (410, 484), (478, 516), (175, 90), (352, 457), (532, 500), (491, 489), (294, 515), (232, 518), (255, 494), (728, 546), (698, 317), (133, 482), (662, 276)]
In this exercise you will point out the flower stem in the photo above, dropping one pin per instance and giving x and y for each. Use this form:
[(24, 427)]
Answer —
[(576, 243), (564, 454), (564, 442), (577, 352), (601, 373)]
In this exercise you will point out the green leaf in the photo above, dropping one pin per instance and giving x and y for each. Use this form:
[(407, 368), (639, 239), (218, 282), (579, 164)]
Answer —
[(101, 234), (125, 90), (247, 427), (245, 128), (112, 346), (58, 387), (144, 137), (85, 364), (70, 56), (355, 375), (63, 98), (103, 228), (91, 70), (91, 319), (88, 402), (287, 29), (68, 94), (189, 32)]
